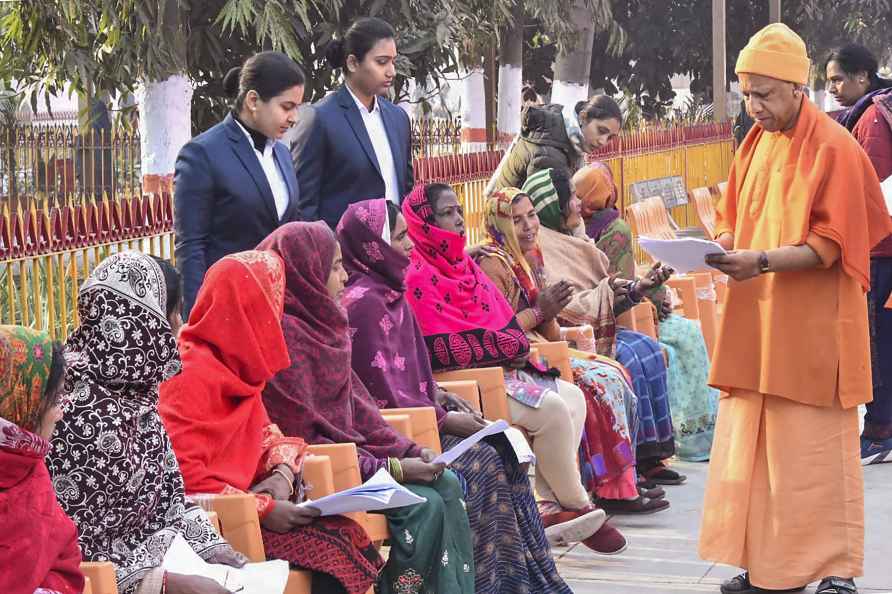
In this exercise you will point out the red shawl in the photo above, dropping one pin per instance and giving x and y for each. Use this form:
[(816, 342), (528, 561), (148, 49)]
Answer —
[(230, 348), (319, 397), (466, 320)]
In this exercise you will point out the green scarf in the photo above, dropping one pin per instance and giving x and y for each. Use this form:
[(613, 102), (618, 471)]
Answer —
[(542, 192)]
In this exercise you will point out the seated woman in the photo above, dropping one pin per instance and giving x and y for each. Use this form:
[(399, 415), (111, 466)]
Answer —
[(321, 400), (512, 259), (113, 467), (694, 404), (511, 552), (467, 323), (578, 261), (222, 435), (38, 543)]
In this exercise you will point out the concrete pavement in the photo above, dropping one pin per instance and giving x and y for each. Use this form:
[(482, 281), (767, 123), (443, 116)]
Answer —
[(662, 556)]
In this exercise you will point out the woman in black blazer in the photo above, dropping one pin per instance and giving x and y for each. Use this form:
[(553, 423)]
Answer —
[(354, 144), (235, 183)]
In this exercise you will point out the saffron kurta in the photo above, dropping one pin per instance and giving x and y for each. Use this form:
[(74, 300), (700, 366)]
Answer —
[(793, 355)]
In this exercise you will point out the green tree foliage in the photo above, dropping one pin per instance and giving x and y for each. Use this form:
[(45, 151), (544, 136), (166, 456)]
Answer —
[(108, 46)]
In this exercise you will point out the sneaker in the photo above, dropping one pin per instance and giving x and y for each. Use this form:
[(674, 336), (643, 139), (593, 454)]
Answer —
[(875, 452), (607, 541), (569, 526)]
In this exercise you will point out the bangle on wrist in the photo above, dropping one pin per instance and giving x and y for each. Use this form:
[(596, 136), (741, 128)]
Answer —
[(290, 480), (396, 469)]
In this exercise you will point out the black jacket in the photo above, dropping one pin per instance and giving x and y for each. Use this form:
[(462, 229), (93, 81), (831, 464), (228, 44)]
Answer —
[(543, 144)]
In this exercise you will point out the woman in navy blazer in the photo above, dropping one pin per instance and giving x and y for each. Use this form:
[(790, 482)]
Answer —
[(354, 145), (235, 183)]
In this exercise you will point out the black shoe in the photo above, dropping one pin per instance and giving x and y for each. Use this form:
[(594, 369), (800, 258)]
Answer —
[(741, 585), (837, 585)]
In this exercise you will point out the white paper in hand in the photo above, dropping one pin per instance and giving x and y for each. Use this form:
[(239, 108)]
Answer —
[(377, 493), (467, 443), (887, 193), (687, 254), (269, 577)]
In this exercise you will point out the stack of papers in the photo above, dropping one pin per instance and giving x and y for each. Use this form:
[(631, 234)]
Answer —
[(685, 255), (270, 577), (379, 492)]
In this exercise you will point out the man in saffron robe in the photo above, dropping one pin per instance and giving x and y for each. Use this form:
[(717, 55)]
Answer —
[(785, 495)]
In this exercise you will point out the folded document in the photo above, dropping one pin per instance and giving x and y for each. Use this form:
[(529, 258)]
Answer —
[(379, 492)]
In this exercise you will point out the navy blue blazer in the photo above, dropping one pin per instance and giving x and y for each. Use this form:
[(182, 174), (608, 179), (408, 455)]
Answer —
[(335, 160), (223, 202)]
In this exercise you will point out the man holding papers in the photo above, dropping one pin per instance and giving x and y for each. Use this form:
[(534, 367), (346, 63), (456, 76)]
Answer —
[(802, 211)]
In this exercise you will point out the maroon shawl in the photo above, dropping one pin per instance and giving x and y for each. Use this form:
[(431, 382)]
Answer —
[(389, 354), (318, 397)]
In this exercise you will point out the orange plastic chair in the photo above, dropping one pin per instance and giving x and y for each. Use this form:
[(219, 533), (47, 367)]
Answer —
[(643, 314), (491, 384), (422, 425), (705, 209), (706, 302), (88, 586), (215, 521), (467, 390), (102, 577), (686, 288), (556, 355)]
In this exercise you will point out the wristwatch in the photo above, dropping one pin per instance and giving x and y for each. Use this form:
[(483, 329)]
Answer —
[(764, 266)]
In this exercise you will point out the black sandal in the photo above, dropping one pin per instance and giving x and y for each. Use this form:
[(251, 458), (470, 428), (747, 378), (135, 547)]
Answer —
[(741, 585), (661, 475), (837, 585), (642, 506)]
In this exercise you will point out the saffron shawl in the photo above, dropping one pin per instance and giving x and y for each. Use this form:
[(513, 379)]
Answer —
[(113, 467), (213, 410), (318, 397), (809, 189), (466, 320), (389, 354)]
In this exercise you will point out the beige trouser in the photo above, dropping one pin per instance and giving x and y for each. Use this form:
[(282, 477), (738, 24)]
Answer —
[(555, 430)]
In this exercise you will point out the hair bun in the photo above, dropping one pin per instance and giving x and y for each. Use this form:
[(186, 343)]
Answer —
[(334, 53), (231, 81), (580, 105)]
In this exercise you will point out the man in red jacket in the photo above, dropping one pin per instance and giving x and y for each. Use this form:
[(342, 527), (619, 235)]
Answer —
[(853, 81)]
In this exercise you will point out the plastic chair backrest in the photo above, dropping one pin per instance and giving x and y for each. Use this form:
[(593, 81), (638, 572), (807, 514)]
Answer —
[(491, 381), (705, 207), (557, 355), (423, 420), (102, 577), (467, 390), (686, 288)]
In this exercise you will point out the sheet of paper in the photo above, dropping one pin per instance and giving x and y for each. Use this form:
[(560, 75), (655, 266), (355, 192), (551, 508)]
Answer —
[(522, 450), (887, 192), (686, 254), (377, 493), (467, 443), (270, 577)]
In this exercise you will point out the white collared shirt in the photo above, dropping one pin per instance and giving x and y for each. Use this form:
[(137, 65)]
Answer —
[(374, 125), (273, 174)]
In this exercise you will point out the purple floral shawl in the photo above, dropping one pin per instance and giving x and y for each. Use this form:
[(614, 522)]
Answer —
[(389, 352)]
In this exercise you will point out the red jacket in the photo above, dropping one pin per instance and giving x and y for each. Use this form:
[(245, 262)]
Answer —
[(38, 542), (874, 133)]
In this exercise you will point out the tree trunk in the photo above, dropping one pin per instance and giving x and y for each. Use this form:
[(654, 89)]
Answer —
[(510, 76), (473, 111), (490, 87), (165, 122), (573, 66), (165, 106)]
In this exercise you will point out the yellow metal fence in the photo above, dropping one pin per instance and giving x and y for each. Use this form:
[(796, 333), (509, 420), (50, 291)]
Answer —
[(39, 279)]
